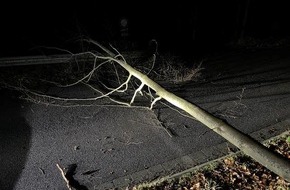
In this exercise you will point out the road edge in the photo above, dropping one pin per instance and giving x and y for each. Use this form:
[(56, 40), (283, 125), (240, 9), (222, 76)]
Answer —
[(180, 166)]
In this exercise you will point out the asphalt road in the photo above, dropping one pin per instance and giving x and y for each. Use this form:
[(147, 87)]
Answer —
[(114, 146)]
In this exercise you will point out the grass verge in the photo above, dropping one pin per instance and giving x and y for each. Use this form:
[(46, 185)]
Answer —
[(232, 172)]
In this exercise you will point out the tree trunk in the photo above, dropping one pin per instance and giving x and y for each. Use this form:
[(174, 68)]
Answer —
[(245, 143)]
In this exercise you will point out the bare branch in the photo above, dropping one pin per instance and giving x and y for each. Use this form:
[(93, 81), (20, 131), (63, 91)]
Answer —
[(64, 177), (113, 100), (154, 101), (136, 91)]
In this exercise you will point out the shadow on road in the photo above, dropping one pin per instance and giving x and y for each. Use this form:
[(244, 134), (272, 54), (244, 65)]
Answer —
[(15, 135)]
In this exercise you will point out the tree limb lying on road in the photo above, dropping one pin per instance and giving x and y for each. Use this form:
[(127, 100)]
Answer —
[(245, 143)]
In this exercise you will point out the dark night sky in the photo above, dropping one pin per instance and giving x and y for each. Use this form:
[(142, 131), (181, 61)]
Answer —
[(26, 26)]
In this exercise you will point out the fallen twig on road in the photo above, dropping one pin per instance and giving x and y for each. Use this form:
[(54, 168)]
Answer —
[(64, 177)]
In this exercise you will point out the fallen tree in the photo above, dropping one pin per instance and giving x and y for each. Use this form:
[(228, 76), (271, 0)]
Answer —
[(245, 143)]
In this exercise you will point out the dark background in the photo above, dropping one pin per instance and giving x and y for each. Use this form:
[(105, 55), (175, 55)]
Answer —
[(195, 27)]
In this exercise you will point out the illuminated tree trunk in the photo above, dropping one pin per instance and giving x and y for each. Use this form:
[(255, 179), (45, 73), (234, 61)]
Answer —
[(245, 143)]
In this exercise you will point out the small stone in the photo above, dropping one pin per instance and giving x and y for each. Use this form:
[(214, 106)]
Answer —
[(76, 147)]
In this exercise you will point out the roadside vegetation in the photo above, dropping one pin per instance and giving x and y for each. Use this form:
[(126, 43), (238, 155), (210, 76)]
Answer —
[(233, 172)]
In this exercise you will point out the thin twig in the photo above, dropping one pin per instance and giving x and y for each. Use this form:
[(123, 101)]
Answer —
[(136, 91), (154, 101), (64, 177)]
